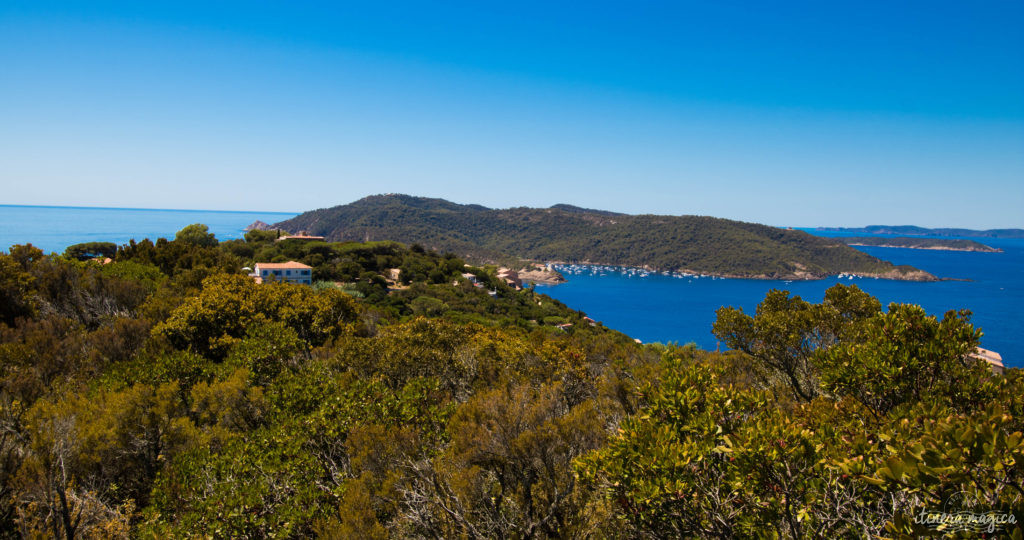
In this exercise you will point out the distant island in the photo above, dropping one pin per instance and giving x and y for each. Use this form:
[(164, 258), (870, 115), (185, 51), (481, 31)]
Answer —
[(947, 244), (912, 230), (696, 244)]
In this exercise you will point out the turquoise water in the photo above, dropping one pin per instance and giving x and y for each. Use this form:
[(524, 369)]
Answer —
[(653, 308), (53, 228), (665, 308)]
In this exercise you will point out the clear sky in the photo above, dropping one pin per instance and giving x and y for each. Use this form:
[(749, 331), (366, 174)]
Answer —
[(787, 113)]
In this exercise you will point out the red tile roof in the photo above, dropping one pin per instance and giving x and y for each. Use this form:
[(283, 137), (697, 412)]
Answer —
[(300, 237), (290, 265)]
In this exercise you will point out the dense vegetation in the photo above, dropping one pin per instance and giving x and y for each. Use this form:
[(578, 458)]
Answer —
[(166, 394), (955, 244), (566, 233)]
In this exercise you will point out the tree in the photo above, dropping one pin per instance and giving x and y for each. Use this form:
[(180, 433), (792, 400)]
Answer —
[(508, 472), (427, 305), (892, 417), (257, 236), (197, 234), (229, 306), (266, 350), (17, 298), (787, 333), (906, 356), (26, 254), (89, 462), (668, 471), (91, 250)]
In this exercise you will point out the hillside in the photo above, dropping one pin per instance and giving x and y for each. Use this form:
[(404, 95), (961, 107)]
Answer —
[(947, 244), (568, 233)]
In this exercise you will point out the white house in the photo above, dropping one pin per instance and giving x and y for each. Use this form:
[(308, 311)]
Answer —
[(289, 272)]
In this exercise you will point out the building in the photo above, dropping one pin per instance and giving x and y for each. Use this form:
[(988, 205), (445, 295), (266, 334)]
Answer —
[(473, 279), (510, 277), (994, 359), (300, 237), (289, 272)]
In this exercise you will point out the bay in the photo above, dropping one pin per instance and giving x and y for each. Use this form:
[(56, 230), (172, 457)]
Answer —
[(660, 308)]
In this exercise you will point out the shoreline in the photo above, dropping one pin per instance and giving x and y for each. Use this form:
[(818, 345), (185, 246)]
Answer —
[(545, 277), (894, 275)]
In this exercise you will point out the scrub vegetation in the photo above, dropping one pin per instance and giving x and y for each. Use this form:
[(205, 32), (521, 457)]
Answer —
[(167, 394)]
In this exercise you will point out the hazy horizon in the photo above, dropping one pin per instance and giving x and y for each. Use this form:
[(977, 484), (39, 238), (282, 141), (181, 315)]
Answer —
[(799, 115)]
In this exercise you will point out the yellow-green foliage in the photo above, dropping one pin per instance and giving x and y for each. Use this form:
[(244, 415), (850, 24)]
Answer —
[(229, 305), (167, 395), (885, 418)]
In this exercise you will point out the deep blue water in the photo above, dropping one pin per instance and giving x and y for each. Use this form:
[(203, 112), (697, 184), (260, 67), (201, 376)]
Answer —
[(663, 308), (53, 228)]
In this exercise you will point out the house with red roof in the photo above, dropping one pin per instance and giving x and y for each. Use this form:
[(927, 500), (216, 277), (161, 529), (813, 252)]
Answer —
[(289, 272)]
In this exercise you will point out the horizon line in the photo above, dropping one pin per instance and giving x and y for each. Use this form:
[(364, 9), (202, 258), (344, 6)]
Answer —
[(146, 209)]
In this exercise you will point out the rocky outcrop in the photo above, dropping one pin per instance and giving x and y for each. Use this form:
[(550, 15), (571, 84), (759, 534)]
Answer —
[(541, 275), (259, 226), (902, 274)]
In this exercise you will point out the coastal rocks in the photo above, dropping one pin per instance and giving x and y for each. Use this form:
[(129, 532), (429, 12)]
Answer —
[(540, 274), (902, 274), (259, 226)]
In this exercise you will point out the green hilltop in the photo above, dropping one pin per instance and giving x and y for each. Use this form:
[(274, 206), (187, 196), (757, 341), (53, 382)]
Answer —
[(571, 234)]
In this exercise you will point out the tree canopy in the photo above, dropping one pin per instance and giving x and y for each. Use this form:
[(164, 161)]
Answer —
[(856, 423), (167, 394), (197, 234), (90, 250)]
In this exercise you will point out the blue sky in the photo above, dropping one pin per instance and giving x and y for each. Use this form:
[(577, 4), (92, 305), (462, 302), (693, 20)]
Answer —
[(811, 113)]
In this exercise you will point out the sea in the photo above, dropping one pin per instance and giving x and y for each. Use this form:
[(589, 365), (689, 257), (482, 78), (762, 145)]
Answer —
[(669, 308), (652, 308), (53, 228)]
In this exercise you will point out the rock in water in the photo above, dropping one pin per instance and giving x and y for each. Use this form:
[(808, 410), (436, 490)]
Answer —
[(259, 226)]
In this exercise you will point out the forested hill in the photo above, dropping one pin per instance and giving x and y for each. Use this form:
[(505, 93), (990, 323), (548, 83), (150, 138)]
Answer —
[(568, 233)]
